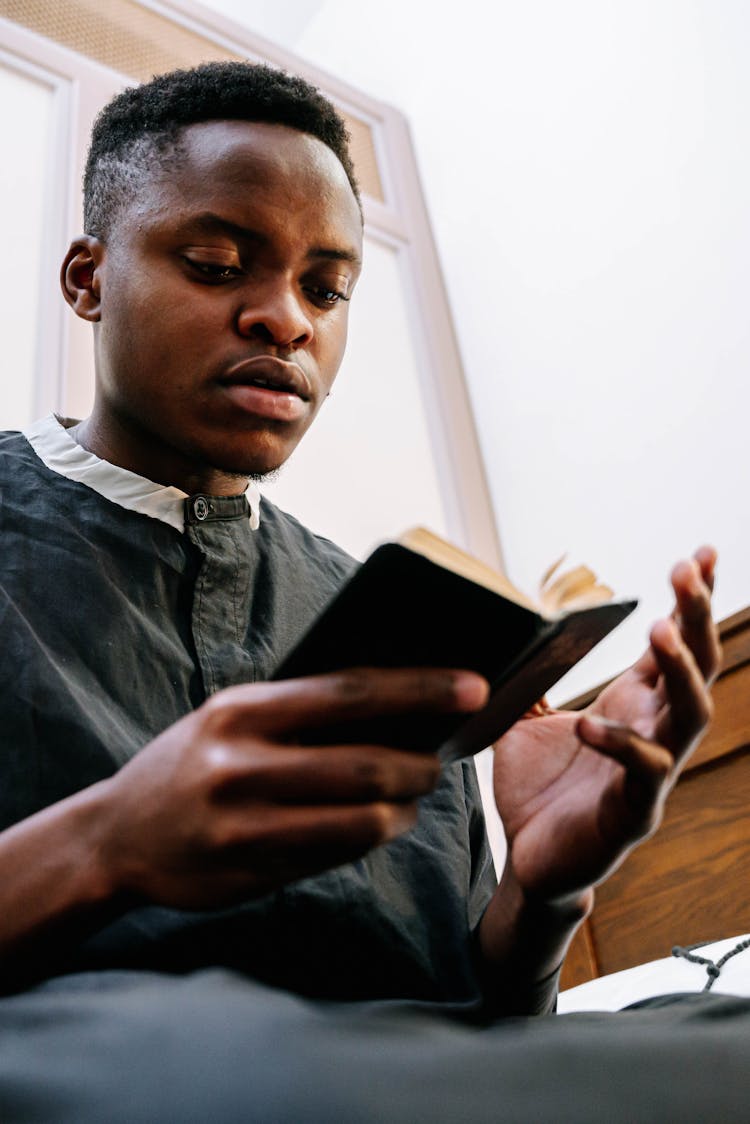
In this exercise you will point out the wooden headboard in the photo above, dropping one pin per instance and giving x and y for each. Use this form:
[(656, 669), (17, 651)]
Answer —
[(689, 882)]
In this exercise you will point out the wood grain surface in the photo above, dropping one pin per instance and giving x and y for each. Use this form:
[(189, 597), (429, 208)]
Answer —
[(691, 881)]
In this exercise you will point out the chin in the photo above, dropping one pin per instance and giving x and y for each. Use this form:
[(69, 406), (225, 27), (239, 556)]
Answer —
[(257, 459)]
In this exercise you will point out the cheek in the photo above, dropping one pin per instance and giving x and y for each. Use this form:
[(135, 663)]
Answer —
[(155, 329), (332, 347), (124, 315)]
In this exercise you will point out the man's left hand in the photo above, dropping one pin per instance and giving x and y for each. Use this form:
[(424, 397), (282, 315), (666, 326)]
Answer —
[(576, 791)]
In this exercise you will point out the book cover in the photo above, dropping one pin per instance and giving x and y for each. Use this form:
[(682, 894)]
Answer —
[(402, 609)]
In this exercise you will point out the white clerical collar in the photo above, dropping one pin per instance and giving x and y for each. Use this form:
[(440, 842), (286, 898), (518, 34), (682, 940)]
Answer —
[(54, 445)]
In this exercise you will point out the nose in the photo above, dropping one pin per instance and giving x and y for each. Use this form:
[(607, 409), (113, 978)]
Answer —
[(275, 313)]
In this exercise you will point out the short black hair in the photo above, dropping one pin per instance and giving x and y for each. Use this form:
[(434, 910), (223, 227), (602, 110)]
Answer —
[(143, 123)]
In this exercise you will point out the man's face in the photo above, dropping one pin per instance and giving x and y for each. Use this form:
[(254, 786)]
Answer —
[(223, 317)]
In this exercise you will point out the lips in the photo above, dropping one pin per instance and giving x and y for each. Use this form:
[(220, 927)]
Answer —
[(270, 373), (268, 388)]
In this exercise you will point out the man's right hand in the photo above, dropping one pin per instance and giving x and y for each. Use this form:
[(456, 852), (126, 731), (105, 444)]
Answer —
[(227, 804)]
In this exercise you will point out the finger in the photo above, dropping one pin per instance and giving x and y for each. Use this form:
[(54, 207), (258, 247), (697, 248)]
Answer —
[(320, 836), (693, 613), (706, 557), (540, 709), (688, 700), (344, 774), (358, 693), (646, 668), (259, 855), (646, 764)]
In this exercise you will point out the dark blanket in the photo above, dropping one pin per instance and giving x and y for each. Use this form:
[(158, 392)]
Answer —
[(214, 1047)]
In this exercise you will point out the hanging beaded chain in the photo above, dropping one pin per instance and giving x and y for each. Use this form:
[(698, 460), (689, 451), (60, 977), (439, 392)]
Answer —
[(713, 971)]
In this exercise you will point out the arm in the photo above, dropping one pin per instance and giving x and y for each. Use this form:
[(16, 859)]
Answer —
[(577, 792), (223, 806)]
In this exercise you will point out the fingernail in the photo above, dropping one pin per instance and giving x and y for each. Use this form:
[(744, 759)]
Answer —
[(672, 639), (694, 580), (597, 727), (470, 690), (600, 722)]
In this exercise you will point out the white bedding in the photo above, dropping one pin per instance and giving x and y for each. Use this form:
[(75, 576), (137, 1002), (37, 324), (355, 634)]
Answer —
[(662, 977)]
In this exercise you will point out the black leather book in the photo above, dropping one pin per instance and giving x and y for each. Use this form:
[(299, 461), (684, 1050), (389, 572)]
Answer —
[(421, 602)]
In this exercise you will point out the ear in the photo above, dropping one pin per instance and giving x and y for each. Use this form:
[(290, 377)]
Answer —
[(80, 277)]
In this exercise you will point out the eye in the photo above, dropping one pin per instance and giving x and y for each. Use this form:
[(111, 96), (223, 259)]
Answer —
[(213, 272), (325, 296)]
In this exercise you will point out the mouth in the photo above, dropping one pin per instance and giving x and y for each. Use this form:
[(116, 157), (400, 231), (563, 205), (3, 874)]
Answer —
[(269, 373), (269, 388)]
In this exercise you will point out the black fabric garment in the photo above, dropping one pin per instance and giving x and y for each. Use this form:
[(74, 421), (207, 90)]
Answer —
[(133, 1048), (115, 625)]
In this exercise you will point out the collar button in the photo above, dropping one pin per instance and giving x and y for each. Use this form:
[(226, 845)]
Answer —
[(201, 508)]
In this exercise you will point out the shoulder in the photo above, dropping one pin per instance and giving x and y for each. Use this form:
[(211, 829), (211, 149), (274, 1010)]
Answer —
[(20, 467), (15, 447)]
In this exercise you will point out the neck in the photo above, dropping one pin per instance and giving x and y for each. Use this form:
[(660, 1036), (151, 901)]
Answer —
[(137, 453)]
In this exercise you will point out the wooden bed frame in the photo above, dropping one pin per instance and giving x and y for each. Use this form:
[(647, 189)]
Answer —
[(691, 881)]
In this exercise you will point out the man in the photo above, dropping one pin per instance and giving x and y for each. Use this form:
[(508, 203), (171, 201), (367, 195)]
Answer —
[(161, 814)]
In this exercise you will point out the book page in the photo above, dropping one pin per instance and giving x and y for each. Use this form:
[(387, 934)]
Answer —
[(445, 554)]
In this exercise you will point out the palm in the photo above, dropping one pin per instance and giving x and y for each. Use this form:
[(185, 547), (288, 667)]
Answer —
[(570, 813), (638, 698)]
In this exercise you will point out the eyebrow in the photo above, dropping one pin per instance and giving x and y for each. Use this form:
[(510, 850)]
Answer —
[(209, 223)]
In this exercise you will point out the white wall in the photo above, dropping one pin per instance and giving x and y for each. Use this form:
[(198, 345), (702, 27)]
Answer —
[(22, 197), (587, 167)]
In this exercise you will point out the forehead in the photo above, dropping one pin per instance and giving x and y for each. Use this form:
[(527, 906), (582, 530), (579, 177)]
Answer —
[(243, 168)]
